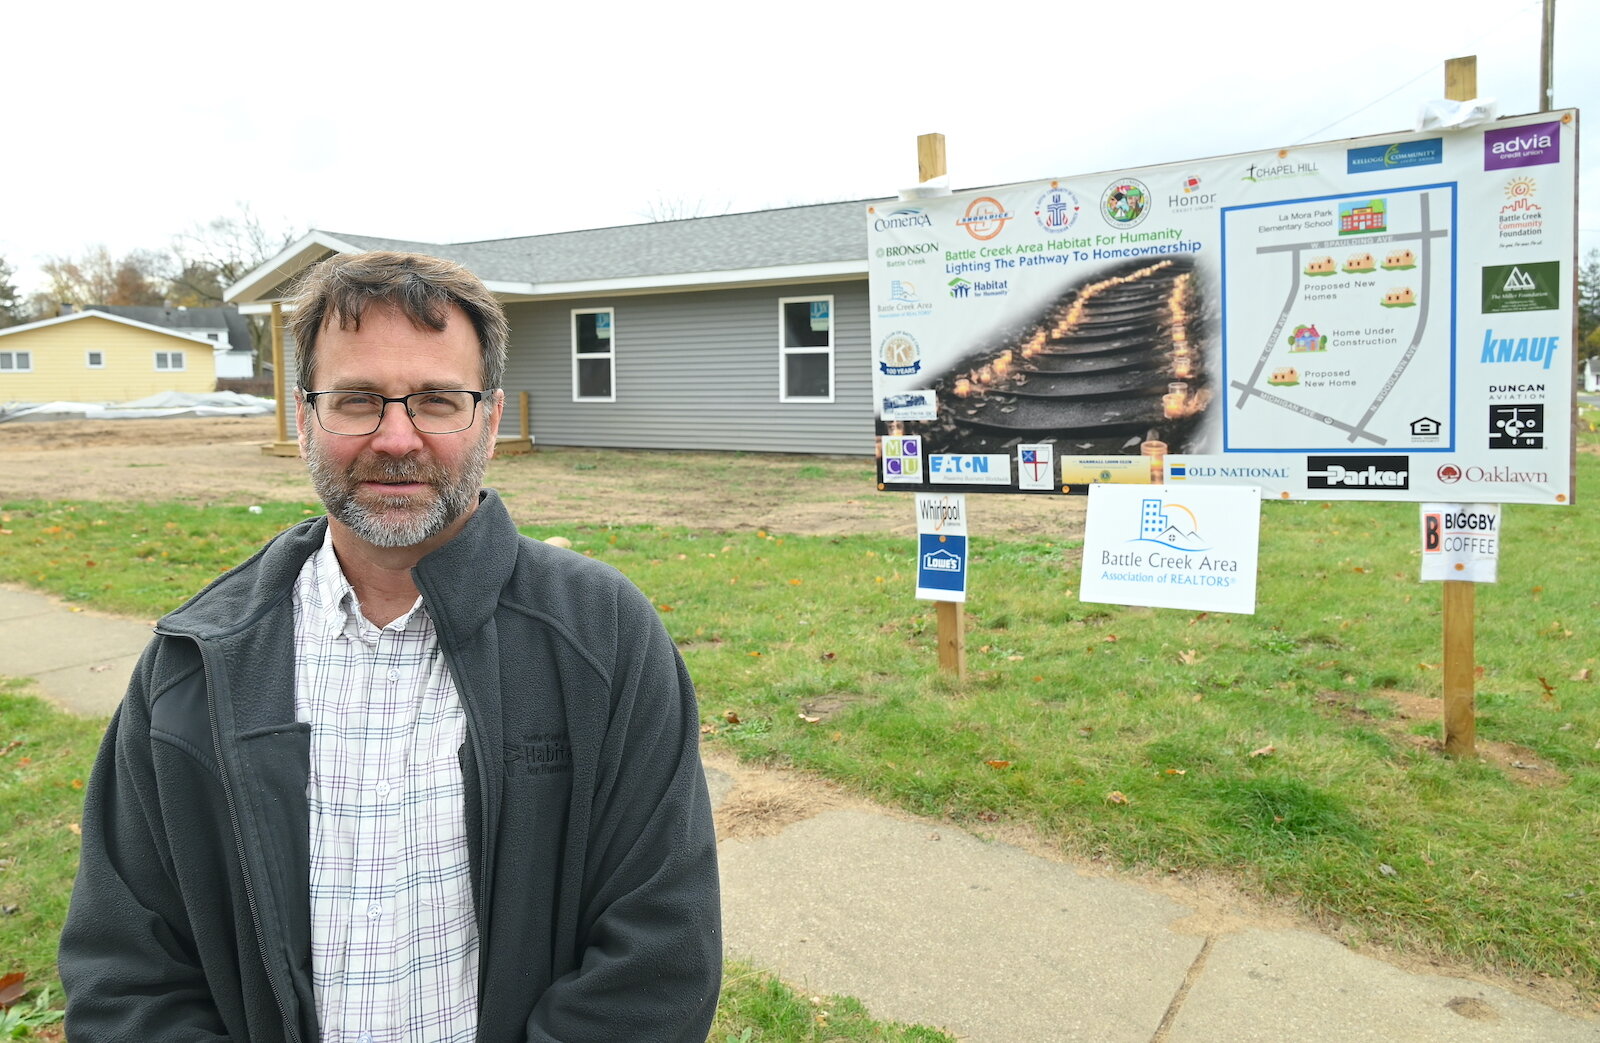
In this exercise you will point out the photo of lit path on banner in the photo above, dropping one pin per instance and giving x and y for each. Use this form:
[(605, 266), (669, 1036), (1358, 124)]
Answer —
[(1380, 318)]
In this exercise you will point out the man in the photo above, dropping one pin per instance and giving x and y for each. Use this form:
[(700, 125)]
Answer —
[(404, 774)]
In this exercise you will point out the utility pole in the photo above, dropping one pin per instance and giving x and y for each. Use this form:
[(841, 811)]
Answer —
[(1547, 47)]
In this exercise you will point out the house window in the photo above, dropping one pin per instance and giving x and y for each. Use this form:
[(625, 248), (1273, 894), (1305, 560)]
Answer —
[(16, 361), (805, 349), (169, 360), (594, 352), (95, 359)]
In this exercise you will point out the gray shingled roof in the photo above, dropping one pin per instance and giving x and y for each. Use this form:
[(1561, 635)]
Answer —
[(728, 242), (238, 326)]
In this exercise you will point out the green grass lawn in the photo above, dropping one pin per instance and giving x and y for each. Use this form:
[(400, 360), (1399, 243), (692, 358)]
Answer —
[(1285, 750)]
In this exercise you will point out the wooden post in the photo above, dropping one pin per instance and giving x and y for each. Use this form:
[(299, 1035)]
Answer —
[(1460, 721), (280, 399), (951, 614)]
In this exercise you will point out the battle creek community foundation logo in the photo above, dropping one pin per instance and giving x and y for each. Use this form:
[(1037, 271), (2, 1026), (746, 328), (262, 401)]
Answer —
[(899, 355), (1125, 203)]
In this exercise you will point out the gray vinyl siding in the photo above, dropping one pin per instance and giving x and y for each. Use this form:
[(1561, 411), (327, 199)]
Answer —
[(693, 370)]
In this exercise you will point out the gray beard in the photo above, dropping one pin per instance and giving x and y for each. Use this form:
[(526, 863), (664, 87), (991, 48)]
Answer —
[(397, 521)]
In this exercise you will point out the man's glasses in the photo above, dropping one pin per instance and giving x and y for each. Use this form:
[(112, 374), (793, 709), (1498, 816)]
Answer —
[(360, 412)]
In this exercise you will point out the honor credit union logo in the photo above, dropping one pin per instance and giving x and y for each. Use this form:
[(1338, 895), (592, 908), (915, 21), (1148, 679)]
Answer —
[(984, 219)]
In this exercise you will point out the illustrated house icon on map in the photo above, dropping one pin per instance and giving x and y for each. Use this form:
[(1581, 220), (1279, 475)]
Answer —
[(1425, 426)]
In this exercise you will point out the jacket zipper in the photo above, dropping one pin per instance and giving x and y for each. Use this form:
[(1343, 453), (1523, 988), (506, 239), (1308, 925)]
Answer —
[(483, 816), (238, 844)]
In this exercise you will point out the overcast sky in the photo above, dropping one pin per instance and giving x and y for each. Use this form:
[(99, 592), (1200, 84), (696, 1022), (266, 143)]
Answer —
[(460, 121)]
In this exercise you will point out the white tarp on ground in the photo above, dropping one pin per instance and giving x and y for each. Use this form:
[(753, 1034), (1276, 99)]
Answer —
[(163, 404)]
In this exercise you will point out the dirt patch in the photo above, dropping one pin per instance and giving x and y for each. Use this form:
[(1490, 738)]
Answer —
[(763, 801), (218, 460), (1519, 763)]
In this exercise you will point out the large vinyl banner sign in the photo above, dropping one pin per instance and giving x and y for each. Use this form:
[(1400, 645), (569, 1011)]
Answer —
[(1378, 318)]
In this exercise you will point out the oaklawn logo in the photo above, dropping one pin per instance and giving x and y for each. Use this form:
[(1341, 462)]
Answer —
[(1358, 472)]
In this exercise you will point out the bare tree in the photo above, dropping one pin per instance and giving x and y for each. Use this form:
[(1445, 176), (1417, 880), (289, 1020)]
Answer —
[(97, 277), (679, 209), (211, 256)]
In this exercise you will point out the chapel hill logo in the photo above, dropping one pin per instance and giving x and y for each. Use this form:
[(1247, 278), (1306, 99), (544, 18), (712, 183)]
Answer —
[(1170, 525), (899, 355)]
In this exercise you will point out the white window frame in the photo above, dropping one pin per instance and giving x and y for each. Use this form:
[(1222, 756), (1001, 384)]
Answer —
[(88, 359), (21, 361), (610, 356), (784, 351), (170, 357)]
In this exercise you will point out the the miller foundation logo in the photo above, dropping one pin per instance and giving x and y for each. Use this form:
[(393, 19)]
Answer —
[(1516, 426), (1530, 286), (1358, 472)]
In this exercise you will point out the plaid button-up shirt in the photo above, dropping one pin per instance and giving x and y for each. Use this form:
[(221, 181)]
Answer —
[(394, 938)]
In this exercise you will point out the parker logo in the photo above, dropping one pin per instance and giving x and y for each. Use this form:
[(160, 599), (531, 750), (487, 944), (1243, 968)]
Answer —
[(1358, 472)]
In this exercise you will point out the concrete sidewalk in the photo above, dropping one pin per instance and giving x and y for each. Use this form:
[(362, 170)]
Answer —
[(926, 923)]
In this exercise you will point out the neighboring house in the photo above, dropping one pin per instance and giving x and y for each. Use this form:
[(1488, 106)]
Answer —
[(225, 328), (737, 332), (1591, 373), (91, 356)]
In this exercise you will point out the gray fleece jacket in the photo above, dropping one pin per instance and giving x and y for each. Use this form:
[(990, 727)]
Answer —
[(593, 860)]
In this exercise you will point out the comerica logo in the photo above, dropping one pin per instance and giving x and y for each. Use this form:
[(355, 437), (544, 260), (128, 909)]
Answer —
[(1358, 472)]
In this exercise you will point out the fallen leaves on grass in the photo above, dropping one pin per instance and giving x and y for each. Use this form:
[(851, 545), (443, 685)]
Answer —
[(1583, 675), (808, 718), (998, 765), (731, 717), (1116, 796), (1549, 695), (1264, 751), (1189, 657), (13, 987)]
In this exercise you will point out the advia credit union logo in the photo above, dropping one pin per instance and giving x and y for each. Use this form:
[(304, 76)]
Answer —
[(899, 355)]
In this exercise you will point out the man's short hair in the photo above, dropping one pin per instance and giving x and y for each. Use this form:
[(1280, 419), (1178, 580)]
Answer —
[(340, 288)]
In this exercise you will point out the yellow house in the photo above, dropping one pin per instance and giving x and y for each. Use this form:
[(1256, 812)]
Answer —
[(90, 356)]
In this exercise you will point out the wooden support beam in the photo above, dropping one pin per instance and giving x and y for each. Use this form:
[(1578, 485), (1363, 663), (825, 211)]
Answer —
[(284, 446), (952, 638), (930, 157)]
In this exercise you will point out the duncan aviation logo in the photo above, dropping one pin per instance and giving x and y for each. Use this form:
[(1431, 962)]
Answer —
[(1516, 427), (904, 217), (986, 216), (1358, 472)]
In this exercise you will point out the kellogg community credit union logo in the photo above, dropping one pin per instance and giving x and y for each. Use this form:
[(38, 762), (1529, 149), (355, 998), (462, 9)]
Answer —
[(985, 217), (899, 355)]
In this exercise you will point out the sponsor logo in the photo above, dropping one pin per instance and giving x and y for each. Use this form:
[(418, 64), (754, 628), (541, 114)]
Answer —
[(1456, 531), (1036, 466), (941, 561), (1175, 526), (984, 219), (1190, 197), (1521, 219), (899, 355), (946, 510), (1056, 209), (910, 405), (1401, 154), (969, 469), (1358, 472), (1503, 392), (1363, 215), (1516, 426), (902, 458), (1531, 146), (1518, 349), (1125, 203), (962, 289), (1208, 471), (907, 249), (904, 217), (1532, 286), (1279, 171), (1425, 429), (1450, 474), (543, 753), (903, 301)]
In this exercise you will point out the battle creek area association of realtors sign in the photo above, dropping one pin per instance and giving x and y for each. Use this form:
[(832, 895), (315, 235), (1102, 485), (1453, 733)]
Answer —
[(1384, 318)]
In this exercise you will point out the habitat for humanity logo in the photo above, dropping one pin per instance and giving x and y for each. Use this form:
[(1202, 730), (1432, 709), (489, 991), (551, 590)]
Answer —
[(905, 217), (1179, 532), (984, 219), (1400, 154), (899, 355), (961, 288)]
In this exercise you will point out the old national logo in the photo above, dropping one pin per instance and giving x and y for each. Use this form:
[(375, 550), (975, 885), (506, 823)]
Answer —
[(1400, 154), (1516, 427), (1125, 203), (1056, 209), (899, 355), (1532, 286), (985, 218)]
